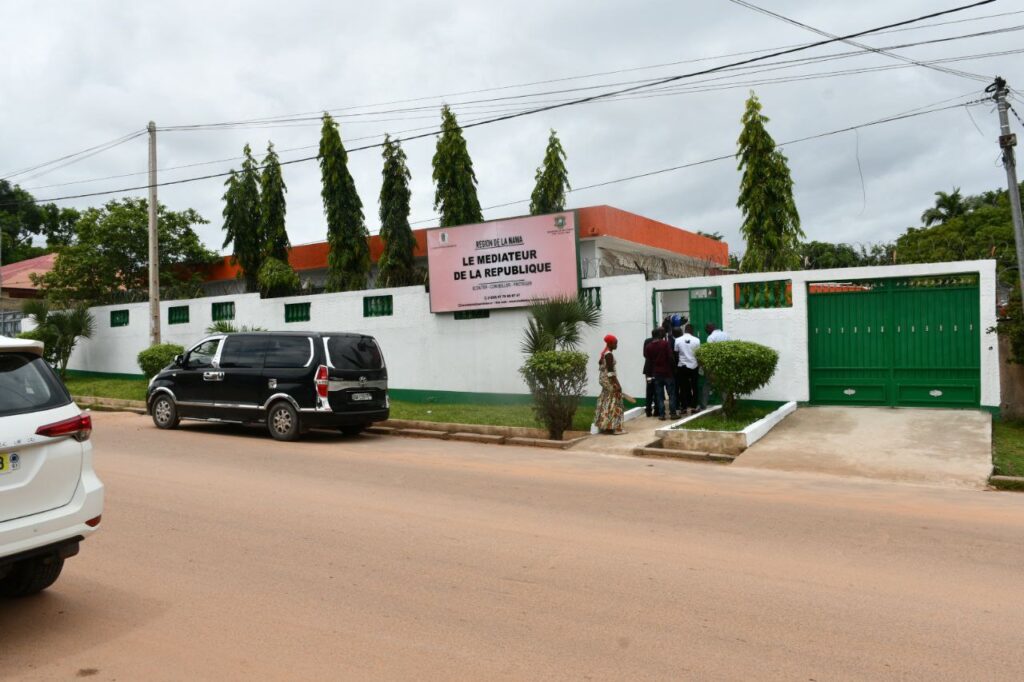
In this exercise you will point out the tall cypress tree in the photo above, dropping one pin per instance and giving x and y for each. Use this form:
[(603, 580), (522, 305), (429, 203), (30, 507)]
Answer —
[(242, 219), (552, 180), (397, 264), (348, 258), (771, 223), (273, 208), (454, 179)]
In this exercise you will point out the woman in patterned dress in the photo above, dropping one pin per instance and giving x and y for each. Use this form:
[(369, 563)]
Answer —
[(608, 415)]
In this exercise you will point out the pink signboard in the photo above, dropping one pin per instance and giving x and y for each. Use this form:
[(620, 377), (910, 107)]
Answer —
[(502, 263)]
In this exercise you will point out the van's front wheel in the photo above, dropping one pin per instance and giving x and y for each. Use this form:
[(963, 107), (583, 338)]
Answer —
[(283, 421)]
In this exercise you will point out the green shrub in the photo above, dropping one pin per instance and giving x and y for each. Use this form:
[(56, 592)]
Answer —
[(557, 379), (736, 368), (277, 278), (155, 358)]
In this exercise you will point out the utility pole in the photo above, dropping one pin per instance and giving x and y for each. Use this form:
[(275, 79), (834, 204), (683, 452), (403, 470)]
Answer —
[(1007, 141), (154, 245)]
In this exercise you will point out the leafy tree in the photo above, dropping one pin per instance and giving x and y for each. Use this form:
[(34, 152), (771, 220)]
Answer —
[(242, 224), (825, 255), (717, 236), (348, 258), (20, 220), (59, 330), (277, 278), (454, 179), (108, 258), (947, 206), (552, 180), (771, 223), (273, 208), (397, 266)]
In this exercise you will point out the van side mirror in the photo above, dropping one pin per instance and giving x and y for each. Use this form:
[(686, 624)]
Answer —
[(179, 360)]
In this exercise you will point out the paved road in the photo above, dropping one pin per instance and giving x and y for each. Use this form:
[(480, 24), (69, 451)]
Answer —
[(225, 555)]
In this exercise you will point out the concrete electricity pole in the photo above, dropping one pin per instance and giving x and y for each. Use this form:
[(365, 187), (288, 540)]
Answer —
[(1007, 141), (154, 244)]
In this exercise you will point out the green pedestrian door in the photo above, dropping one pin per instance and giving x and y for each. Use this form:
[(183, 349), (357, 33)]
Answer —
[(705, 306), (901, 342)]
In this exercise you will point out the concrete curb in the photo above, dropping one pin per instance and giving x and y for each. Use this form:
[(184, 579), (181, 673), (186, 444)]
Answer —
[(1007, 482), (110, 404), (690, 455), (485, 429)]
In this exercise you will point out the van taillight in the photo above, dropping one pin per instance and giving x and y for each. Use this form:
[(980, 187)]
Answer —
[(322, 382), (79, 428)]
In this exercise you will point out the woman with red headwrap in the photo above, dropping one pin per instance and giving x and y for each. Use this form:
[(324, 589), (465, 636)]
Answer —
[(608, 415)]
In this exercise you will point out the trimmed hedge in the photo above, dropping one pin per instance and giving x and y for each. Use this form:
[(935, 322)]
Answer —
[(737, 368), (155, 358), (557, 379)]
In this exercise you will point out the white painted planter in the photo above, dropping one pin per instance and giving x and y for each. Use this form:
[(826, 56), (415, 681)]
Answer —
[(726, 442)]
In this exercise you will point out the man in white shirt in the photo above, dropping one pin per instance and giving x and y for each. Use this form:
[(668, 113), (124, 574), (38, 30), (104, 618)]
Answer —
[(686, 347), (714, 336)]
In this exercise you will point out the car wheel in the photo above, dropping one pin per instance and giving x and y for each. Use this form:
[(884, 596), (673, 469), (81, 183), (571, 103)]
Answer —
[(165, 413), (283, 421), (353, 430), (31, 576)]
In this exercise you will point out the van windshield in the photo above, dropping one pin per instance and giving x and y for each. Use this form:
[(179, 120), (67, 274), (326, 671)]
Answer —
[(354, 352), (28, 385)]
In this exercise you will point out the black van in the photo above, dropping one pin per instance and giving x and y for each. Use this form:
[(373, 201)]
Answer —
[(291, 381)]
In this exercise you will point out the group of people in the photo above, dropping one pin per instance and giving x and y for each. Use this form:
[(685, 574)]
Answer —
[(670, 368)]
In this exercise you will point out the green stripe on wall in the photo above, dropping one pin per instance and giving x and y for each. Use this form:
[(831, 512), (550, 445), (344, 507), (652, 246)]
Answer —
[(415, 395), (102, 375)]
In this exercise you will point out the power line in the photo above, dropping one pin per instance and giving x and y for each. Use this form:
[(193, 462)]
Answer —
[(550, 107), (74, 157), (794, 22), (912, 113), (315, 117), (598, 74), (670, 91)]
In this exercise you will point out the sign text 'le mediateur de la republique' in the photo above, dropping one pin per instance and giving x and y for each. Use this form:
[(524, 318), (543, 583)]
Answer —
[(518, 262)]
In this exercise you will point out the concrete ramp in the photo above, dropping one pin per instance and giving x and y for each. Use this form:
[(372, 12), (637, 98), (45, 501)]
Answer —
[(927, 446)]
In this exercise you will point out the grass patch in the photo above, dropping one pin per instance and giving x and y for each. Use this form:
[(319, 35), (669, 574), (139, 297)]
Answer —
[(746, 414), (1008, 447), (492, 415), (124, 389)]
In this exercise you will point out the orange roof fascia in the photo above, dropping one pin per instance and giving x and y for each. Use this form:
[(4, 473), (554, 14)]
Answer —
[(606, 221), (594, 221), (312, 257)]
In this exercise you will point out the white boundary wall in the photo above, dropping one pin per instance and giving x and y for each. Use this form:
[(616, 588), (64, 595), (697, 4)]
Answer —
[(438, 353)]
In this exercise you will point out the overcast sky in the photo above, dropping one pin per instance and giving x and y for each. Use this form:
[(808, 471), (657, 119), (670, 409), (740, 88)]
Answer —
[(77, 74)]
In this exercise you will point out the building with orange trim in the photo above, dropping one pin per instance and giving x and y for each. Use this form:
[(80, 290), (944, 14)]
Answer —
[(611, 242)]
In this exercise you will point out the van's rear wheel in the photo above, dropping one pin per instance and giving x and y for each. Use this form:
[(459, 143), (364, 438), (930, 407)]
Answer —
[(31, 576), (165, 413), (283, 421)]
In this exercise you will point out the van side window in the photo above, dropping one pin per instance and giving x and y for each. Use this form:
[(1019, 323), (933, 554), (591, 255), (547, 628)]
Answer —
[(288, 351), (243, 352), (202, 355)]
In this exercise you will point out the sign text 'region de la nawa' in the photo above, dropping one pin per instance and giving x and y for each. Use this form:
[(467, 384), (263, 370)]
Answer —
[(502, 263)]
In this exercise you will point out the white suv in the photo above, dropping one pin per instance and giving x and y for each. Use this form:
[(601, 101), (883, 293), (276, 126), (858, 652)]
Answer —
[(50, 498)]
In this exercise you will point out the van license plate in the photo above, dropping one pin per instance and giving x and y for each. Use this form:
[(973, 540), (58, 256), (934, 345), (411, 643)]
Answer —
[(362, 396), (9, 462)]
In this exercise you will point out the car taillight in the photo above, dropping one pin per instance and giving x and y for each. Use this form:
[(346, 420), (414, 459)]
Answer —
[(322, 382), (79, 428)]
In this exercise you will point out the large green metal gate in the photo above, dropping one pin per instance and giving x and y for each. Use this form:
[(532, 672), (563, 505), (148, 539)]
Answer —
[(912, 341)]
